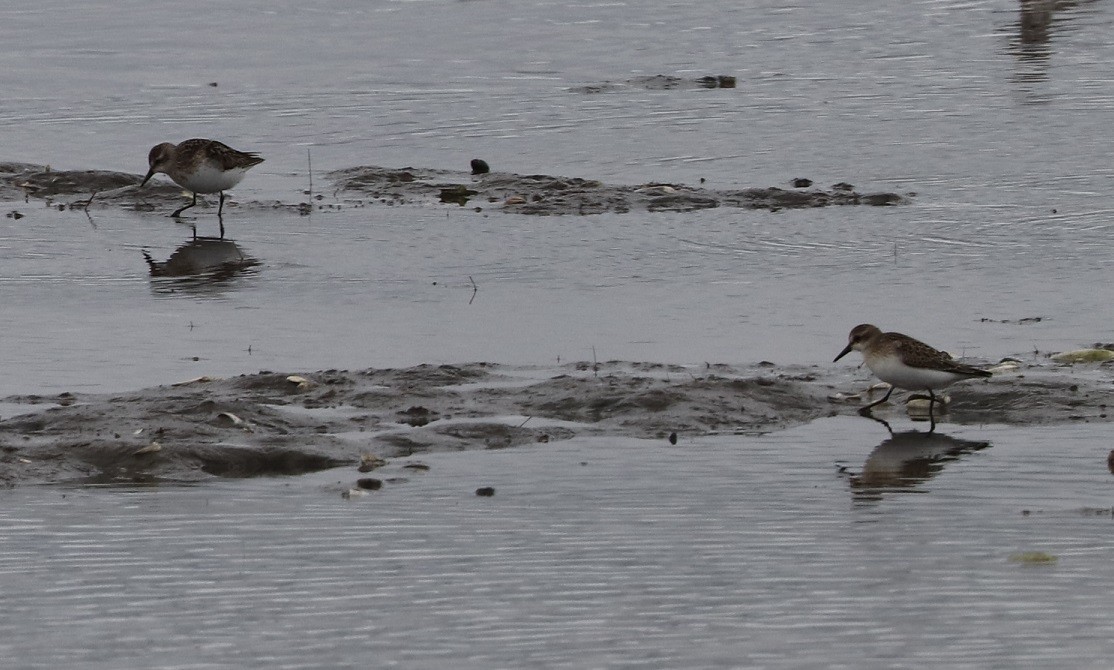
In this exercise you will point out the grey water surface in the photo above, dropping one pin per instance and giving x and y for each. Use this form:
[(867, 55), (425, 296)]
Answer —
[(718, 552), (734, 551)]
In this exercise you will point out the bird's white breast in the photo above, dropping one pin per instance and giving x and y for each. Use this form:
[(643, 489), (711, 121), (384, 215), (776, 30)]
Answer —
[(209, 179)]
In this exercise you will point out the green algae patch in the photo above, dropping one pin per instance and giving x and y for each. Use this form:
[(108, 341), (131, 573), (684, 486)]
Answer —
[(1033, 558)]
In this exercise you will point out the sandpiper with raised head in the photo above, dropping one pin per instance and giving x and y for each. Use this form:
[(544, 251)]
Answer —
[(200, 166), (906, 363)]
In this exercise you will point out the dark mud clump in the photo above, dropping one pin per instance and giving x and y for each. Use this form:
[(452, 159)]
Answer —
[(550, 195), (659, 82), (270, 424)]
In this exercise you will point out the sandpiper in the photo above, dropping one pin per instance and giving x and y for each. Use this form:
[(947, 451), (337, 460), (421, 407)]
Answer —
[(906, 363), (200, 166)]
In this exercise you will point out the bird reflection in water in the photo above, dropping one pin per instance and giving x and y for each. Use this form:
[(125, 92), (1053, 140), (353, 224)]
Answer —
[(201, 265), (1038, 22), (908, 459)]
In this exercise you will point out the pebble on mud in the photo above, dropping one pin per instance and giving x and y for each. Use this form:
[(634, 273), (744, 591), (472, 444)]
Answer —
[(479, 166), (369, 483), (917, 405), (369, 462)]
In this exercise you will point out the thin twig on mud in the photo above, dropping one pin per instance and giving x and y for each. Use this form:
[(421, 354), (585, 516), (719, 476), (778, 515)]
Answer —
[(475, 289)]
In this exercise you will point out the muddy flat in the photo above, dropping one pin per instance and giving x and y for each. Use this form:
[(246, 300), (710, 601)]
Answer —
[(283, 423)]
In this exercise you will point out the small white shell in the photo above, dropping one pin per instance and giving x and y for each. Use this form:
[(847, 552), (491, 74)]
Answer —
[(196, 380), (229, 419), (656, 189), (302, 382), (149, 449), (1005, 366)]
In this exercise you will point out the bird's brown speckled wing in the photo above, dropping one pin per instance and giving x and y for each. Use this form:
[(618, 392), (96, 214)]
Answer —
[(917, 354), (227, 157)]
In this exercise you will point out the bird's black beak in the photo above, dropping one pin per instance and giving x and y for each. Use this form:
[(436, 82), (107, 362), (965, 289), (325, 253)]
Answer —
[(150, 173), (846, 350)]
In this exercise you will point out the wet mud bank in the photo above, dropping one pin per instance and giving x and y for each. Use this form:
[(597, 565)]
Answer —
[(554, 195), (368, 185), (95, 189), (269, 424)]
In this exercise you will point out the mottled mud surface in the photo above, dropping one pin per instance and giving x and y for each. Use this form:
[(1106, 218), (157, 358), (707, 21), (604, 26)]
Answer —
[(551, 195), (278, 423), (360, 186)]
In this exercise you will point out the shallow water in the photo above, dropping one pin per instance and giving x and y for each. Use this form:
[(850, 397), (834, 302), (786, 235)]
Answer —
[(1002, 139), (730, 551), (718, 552)]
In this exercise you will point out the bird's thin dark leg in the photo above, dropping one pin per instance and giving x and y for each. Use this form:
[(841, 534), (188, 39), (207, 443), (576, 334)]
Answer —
[(881, 421), (179, 211), (931, 418), (220, 221), (220, 208), (865, 411)]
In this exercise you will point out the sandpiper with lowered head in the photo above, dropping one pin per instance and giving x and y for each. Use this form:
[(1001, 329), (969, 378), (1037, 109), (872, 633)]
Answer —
[(906, 363), (200, 166)]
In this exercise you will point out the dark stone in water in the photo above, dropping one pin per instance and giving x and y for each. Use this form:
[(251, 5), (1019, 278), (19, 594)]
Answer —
[(417, 416), (369, 483), (801, 182), (719, 81), (479, 166), (485, 491)]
